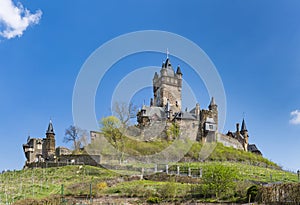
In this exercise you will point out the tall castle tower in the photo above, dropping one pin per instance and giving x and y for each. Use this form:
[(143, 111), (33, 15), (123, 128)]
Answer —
[(167, 87), (49, 143), (244, 133)]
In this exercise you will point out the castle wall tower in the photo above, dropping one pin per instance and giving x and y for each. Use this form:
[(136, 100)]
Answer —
[(213, 108), (49, 143), (244, 133), (208, 125), (167, 87)]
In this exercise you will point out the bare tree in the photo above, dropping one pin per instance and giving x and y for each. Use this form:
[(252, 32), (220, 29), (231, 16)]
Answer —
[(124, 112), (77, 136)]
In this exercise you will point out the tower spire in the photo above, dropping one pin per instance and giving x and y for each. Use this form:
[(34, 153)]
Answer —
[(50, 129), (244, 128)]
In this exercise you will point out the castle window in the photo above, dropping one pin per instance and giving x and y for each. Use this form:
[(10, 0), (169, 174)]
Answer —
[(211, 127)]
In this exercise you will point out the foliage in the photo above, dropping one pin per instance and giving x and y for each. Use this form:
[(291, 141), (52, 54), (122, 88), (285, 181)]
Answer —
[(42, 184), (168, 190), (101, 186), (111, 127), (223, 153), (219, 179), (173, 131), (252, 193), (153, 200)]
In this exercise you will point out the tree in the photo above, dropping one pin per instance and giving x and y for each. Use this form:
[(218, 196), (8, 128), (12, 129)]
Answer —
[(124, 112), (77, 136), (112, 128), (219, 179)]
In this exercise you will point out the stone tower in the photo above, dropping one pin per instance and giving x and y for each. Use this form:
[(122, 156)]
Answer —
[(167, 87), (244, 133), (213, 108), (49, 143), (208, 126)]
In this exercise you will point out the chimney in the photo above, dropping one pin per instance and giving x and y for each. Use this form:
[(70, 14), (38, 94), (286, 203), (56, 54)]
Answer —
[(238, 127), (197, 110)]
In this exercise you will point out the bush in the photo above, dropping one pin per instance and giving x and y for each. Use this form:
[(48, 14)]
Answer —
[(219, 180), (101, 186), (153, 200), (168, 190)]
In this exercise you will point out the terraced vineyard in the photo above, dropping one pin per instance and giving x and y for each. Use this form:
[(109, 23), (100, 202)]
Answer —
[(77, 180)]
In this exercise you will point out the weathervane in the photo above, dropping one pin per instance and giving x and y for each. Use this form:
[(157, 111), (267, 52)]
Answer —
[(167, 53)]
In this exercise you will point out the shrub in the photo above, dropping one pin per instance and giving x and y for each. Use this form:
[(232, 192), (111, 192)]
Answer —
[(101, 186), (153, 200), (168, 190), (219, 180)]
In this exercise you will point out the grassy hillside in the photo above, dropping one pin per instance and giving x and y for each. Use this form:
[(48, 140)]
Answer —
[(41, 183), (45, 184), (220, 153)]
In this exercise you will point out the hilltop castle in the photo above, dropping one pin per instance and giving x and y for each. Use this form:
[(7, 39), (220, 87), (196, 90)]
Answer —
[(37, 149), (41, 152), (166, 107)]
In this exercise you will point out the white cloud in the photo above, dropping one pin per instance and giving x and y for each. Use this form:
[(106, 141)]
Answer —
[(14, 19), (295, 117)]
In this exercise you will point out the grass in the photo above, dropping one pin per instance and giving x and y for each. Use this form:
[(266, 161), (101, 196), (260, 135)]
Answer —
[(134, 147), (43, 183), (39, 183)]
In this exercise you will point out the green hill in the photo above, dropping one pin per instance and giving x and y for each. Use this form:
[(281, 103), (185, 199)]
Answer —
[(41, 185)]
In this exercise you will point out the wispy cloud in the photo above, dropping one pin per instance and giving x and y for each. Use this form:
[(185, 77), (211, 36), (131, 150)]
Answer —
[(295, 117), (14, 19)]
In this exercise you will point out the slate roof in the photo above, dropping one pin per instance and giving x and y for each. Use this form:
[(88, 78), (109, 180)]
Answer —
[(154, 112), (186, 116), (50, 129), (178, 70), (244, 126), (253, 148)]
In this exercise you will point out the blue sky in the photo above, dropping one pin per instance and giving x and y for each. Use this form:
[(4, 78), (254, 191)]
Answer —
[(254, 44)]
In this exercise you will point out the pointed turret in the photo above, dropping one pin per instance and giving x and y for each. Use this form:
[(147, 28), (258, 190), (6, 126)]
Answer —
[(212, 104), (49, 143), (50, 129), (244, 128), (178, 72), (244, 132)]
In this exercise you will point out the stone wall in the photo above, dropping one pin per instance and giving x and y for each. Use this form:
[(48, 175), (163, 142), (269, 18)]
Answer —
[(92, 160), (64, 160), (285, 193), (189, 128), (229, 141)]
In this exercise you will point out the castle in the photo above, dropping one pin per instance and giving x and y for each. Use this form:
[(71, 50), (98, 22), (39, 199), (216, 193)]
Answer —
[(166, 107), (41, 152), (38, 149)]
